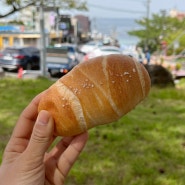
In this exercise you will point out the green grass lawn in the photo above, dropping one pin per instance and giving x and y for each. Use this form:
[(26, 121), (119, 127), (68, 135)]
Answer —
[(145, 147)]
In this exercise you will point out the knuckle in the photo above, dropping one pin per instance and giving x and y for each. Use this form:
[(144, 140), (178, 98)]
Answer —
[(39, 136)]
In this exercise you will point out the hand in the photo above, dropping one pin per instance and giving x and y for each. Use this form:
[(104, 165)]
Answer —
[(25, 160)]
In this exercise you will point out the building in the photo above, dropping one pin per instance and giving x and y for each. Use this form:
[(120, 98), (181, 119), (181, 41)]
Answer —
[(27, 35), (58, 29), (177, 14), (83, 27), (19, 39)]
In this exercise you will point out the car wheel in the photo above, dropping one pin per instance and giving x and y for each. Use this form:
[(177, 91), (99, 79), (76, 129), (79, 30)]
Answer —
[(4, 69)]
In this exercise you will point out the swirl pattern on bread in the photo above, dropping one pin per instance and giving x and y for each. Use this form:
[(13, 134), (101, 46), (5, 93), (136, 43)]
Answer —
[(96, 92)]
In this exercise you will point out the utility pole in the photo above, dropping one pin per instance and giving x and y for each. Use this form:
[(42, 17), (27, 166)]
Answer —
[(163, 13), (43, 41), (148, 9), (147, 22)]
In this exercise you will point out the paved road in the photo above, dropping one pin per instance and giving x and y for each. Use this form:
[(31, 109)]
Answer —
[(24, 75), (27, 74)]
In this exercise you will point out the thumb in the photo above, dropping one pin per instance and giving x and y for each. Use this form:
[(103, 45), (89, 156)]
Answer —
[(41, 136)]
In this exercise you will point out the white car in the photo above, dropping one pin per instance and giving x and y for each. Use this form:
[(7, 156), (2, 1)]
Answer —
[(103, 50), (90, 46)]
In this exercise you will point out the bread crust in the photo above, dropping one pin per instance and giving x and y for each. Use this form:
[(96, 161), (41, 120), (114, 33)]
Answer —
[(96, 92)]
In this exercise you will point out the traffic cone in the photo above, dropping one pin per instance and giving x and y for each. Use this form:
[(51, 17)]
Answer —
[(20, 72)]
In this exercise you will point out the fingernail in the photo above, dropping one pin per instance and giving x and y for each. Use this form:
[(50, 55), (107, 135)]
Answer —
[(43, 117)]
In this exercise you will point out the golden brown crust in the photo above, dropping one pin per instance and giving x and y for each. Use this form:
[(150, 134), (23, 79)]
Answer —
[(96, 92)]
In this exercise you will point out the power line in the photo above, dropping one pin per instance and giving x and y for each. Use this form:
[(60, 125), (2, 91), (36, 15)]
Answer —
[(116, 9), (138, 1)]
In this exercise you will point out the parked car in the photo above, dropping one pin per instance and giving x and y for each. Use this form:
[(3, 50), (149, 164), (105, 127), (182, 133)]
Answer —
[(132, 53), (12, 58), (61, 58), (103, 50), (90, 46)]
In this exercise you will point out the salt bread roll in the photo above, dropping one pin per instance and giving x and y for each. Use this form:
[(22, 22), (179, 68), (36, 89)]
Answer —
[(95, 92)]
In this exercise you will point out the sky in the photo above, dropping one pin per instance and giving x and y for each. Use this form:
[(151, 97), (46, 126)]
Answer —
[(128, 8), (131, 8)]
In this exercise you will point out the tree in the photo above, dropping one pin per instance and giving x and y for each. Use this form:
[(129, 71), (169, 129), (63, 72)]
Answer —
[(158, 29), (17, 5)]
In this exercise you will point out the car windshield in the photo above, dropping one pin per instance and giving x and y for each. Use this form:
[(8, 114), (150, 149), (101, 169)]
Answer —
[(63, 49), (115, 50), (10, 51), (57, 50), (110, 49), (92, 43)]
